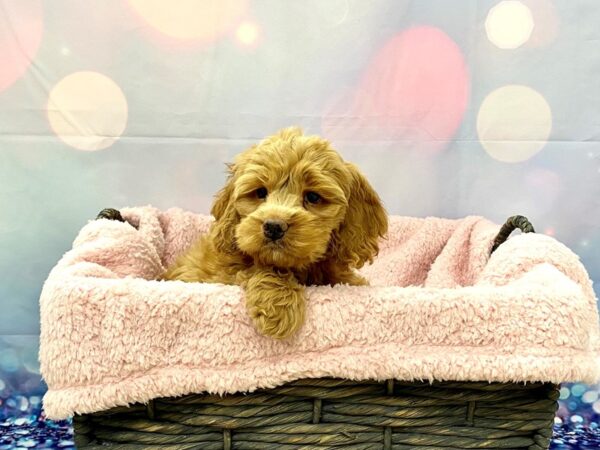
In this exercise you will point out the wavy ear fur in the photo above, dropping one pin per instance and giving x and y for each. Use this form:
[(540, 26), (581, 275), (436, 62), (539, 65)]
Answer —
[(356, 240), (226, 217)]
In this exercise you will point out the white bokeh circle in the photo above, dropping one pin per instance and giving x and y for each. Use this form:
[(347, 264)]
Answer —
[(509, 24), (514, 123), (247, 34), (196, 20), (87, 110)]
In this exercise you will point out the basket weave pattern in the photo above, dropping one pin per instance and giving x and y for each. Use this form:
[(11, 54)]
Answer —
[(332, 413)]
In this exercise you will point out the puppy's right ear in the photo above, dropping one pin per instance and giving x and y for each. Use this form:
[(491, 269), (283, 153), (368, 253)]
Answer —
[(226, 217), (223, 197)]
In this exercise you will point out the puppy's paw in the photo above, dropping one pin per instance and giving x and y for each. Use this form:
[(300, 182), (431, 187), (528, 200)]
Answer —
[(275, 303)]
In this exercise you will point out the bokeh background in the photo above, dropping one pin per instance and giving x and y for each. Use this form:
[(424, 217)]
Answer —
[(480, 107)]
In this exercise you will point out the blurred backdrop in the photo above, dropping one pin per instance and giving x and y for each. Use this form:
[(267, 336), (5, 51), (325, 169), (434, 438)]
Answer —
[(479, 107)]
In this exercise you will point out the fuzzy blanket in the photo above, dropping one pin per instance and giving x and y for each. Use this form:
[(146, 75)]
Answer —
[(438, 308)]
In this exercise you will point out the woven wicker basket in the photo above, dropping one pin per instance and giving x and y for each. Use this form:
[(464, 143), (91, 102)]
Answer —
[(332, 413), (328, 413)]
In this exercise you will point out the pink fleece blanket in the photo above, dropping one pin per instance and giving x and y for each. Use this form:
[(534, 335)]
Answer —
[(438, 308)]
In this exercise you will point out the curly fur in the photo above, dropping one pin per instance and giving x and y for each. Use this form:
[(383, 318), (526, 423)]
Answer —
[(323, 244)]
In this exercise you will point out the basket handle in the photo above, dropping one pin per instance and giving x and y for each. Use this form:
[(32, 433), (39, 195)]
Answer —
[(512, 223), (113, 214), (110, 214)]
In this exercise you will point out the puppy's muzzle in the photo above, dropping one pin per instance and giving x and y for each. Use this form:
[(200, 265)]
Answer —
[(274, 229)]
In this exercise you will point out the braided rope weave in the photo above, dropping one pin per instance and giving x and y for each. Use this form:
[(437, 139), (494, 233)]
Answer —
[(511, 224)]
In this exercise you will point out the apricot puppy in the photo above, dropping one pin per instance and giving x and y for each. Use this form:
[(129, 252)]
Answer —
[(291, 214)]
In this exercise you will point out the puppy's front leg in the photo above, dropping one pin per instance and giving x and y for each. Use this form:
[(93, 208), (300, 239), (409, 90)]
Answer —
[(275, 301)]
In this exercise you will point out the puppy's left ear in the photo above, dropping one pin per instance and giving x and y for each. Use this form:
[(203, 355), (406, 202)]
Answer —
[(357, 240), (226, 217)]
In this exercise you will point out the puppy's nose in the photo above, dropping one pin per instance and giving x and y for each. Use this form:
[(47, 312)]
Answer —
[(274, 229)]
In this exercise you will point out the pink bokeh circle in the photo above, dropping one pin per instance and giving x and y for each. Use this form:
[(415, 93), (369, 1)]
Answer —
[(415, 89), (20, 40)]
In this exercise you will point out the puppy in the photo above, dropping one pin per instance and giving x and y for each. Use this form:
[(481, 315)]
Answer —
[(292, 214)]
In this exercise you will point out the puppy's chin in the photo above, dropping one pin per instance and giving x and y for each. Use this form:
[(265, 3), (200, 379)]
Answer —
[(294, 250), (278, 253), (275, 254)]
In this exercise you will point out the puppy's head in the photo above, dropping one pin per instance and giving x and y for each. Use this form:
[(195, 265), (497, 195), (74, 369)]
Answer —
[(291, 201)]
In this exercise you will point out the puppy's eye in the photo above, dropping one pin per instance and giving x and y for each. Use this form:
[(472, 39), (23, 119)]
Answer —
[(312, 197), (262, 192)]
